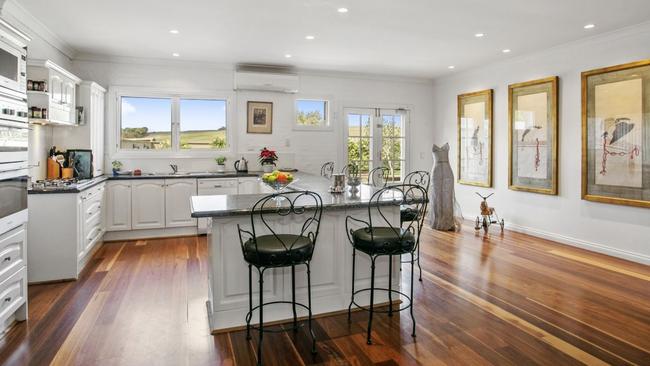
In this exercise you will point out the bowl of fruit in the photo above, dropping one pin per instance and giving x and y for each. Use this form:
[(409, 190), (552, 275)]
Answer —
[(278, 180)]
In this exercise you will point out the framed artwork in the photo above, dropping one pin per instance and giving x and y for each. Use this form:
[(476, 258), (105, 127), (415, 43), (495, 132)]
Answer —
[(475, 138), (616, 134), (533, 136), (260, 117)]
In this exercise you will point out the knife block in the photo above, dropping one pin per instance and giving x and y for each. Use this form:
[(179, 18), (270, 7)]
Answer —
[(53, 169)]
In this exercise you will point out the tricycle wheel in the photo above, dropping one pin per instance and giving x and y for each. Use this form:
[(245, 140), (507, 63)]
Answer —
[(486, 224), (502, 224), (477, 225)]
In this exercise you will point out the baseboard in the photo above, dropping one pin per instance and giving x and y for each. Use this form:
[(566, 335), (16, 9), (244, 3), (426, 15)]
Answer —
[(579, 243), (150, 233)]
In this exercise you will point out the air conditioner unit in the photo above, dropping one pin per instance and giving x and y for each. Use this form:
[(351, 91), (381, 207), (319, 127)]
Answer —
[(267, 81)]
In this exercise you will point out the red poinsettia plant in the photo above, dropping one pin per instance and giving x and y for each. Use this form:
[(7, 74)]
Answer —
[(268, 157)]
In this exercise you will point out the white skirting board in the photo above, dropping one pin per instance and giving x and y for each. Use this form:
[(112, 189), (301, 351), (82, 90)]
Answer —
[(579, 243)]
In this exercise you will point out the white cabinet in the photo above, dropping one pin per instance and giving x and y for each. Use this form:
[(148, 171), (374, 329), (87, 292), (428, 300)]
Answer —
[(118, 202), (249, 186), (214, 186), (90, 134), (177, 202), (64, 230), (60, 98), (148, 204)]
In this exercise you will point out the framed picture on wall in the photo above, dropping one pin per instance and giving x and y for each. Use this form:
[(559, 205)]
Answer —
[(533, 136), (260, 117), (616, 134), (475, 138)]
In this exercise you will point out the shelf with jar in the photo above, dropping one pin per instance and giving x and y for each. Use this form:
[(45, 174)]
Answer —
[(51, 93)]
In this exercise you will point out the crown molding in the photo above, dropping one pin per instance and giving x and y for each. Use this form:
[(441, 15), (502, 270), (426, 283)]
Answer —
[(16, 13)]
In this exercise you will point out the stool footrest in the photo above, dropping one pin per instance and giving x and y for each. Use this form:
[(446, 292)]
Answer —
[(367, 308), (264, 329)]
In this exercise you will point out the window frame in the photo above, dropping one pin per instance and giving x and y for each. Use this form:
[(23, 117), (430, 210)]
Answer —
[(328, 115), (115, 123)]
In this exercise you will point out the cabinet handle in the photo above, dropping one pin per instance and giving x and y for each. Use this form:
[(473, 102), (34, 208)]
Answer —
[(218, 186), (8, 299), (7, 259)]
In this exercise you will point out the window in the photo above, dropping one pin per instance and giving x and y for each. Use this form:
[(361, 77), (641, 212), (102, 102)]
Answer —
[(172, 123), (312, 114), (203, 124), (146, 123)]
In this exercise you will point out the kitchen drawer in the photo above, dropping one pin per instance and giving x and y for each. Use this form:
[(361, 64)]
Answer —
[(93, 193), (12, 252), (92, 235), (218, 184), (13, 293), (91, 208)]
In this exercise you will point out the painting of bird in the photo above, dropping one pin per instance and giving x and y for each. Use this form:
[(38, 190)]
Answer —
[(527, 131), (622, 127)]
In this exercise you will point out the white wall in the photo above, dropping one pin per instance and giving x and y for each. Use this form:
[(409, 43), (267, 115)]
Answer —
[(303, 150), (616, 230)]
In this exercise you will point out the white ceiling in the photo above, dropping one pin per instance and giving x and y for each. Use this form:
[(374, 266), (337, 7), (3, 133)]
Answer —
[(398, 37)]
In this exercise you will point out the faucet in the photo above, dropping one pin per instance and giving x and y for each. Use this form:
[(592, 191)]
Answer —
[(174, 168)]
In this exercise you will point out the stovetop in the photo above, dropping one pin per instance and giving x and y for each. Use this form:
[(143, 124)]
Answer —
[(57, 184)]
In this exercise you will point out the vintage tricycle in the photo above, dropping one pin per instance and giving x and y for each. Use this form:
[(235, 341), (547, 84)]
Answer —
[(488, 215)]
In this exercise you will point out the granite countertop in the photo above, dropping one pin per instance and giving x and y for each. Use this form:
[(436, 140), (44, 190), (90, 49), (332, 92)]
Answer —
[(89, 183), (232, 205)]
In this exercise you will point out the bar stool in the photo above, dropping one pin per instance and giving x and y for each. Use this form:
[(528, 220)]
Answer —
[(327, 169), (407, 213), (379, 237), (377, 177), (277, 250)]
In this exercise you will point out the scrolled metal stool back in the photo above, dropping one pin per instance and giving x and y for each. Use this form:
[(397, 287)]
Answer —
[(327, 169), (305, 204), (419, 177)]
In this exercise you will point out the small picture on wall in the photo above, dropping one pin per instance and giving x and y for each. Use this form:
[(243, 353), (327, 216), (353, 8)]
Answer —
[(260, 117), (615, 137), (475, 138), (533, 126)]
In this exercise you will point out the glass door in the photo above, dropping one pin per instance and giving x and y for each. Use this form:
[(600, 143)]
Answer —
[(377, 137)]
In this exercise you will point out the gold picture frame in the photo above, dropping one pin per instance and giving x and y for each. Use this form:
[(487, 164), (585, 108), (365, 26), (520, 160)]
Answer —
[(474, 157), (615, 113), (259, 117), (533, 136)]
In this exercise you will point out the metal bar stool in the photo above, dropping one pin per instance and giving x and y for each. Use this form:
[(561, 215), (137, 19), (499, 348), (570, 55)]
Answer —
[(407, 213), (276, 250), (378, 237), (327, 169), (378, 177)]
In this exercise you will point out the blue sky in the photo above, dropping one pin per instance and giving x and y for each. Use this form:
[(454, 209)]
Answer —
[(311, 106), (155, 113)]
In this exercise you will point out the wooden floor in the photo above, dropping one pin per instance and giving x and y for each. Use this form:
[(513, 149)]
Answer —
[(506, 299)]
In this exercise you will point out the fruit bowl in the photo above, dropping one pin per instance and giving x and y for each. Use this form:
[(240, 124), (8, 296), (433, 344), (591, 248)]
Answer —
[(278, 180)]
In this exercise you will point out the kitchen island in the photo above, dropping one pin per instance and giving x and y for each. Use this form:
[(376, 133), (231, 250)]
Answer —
[(331, 266)]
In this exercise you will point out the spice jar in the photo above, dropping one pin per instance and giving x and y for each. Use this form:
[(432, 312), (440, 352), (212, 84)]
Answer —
[(30, 85)]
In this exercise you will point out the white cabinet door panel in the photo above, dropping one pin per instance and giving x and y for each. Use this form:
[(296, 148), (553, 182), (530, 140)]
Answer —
[(118, 202), (148, 204), (177, 202)]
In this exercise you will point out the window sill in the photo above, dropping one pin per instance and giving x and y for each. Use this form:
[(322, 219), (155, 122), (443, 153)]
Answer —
[(313, 128)]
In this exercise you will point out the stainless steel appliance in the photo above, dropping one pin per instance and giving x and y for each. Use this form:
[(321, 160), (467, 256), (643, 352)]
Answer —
[(13, 131), (13, 198), (241, 166), (13, 67)]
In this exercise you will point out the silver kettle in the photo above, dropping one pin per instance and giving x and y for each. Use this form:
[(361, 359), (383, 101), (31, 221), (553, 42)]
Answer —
[(241, 166)]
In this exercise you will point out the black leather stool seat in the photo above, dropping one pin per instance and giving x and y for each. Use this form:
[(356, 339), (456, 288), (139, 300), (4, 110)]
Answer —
[(383, 240), (407, 213), (271, 251)]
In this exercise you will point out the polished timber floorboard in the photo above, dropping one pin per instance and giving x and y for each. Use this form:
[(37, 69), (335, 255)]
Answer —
[(507, 299)]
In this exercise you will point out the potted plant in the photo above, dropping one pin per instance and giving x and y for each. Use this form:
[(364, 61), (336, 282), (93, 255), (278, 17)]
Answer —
[(267, 159), (117, 165), (221, 164)]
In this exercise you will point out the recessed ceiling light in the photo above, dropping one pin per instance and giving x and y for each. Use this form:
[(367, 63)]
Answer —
[(287, 55), (589, 26), (176, 54), (479, 35), (174, 31), (342, 10), (507, 50), (451, 67), (310, 37)]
